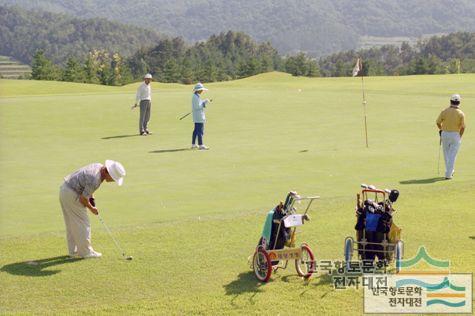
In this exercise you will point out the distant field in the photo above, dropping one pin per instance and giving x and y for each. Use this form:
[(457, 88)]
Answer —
[(12, 69), (377, 41), (191, 218)]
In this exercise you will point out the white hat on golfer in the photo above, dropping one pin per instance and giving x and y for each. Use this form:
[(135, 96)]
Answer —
[(116, 171), (199, 87), (147, 76), (455, 98)]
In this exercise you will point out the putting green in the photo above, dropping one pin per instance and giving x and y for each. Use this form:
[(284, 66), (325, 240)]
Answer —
[(191, 218)]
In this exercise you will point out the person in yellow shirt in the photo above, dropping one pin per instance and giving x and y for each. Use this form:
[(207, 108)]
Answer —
[(451, 124)]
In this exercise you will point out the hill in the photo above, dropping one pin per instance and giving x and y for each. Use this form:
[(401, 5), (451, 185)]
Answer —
[(319, 27), (22, 32)]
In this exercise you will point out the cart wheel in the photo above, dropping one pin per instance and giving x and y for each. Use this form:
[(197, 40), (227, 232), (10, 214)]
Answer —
[(305, 266), (399, 254), (262, 264), (348, 250)]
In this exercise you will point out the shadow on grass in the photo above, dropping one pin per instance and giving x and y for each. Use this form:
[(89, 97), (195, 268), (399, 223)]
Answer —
[(121, 136), (325, 279), (246, 282), (422, 181), (36, 267), (471, 237), (168, 150)]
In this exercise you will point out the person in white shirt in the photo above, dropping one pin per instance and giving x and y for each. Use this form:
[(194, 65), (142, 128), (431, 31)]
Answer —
[(75, 197), (144, 98)]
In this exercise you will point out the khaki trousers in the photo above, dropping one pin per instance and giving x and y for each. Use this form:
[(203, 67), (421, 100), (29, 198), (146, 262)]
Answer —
[(78, 228)]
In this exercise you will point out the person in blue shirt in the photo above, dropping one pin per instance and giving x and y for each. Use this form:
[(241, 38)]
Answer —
[(198, 110)]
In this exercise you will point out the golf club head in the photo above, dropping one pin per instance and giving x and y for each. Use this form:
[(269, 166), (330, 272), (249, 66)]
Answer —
[(393, 195), (129, 258)]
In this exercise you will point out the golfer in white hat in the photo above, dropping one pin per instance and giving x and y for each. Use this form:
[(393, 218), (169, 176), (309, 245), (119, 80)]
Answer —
[(144, 98), (451, 124), (198, 109), (74, 196)]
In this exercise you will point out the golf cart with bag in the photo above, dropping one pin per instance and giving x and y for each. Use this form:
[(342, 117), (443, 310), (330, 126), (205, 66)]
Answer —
[(277, 244), (377, 237)]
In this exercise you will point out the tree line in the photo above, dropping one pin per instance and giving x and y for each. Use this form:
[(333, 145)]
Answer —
[(453, 53), (99, 67), (235, 55), (222, 57)]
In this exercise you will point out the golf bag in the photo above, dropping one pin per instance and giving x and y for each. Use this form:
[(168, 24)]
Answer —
[(274, 234), (273, 237), (373, 223)]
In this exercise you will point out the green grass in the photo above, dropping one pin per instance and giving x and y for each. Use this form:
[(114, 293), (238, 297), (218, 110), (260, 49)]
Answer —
[(190, 218)]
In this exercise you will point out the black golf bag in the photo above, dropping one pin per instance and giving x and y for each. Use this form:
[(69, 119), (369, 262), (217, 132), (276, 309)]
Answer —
[(373, 223)]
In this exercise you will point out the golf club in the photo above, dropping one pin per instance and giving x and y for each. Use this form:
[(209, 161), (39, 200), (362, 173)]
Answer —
[(185, 115), (440, 146), (93, 203), (115, 241), (181, 118)]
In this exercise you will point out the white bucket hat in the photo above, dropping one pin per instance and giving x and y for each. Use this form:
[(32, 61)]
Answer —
[(147, 76), (116, 171), (199, 87), (455, 98)]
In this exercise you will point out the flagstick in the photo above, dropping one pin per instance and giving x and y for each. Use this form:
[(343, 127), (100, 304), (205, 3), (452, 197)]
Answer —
[(364, 109)]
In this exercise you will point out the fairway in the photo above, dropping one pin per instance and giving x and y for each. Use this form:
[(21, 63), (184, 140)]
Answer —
[(192, 218)]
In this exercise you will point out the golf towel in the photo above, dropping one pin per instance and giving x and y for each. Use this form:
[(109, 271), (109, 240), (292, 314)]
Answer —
[(268, 227)]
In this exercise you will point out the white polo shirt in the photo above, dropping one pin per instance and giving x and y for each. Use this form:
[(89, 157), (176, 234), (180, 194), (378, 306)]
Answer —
[(144, 92)]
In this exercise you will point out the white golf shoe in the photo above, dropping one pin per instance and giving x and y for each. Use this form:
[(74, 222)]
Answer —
[(203, 147), (194, 146), (93, 254)]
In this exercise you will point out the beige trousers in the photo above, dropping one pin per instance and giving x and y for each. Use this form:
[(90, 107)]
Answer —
[(78, 228)]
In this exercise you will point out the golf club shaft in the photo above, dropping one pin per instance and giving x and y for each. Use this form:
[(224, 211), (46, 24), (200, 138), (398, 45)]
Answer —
[(211, 100), (110, 234), (185, 116), (438, 160)]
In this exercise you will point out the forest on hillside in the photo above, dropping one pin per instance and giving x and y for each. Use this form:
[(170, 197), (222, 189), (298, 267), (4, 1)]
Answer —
[(59, 47), (60, 36), (317, 27)]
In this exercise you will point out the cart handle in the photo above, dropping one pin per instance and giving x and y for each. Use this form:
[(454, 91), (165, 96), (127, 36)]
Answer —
[(307, 198), (374, 191)]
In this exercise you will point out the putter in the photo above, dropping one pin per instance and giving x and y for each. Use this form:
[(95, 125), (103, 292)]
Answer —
[(93, 203)]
